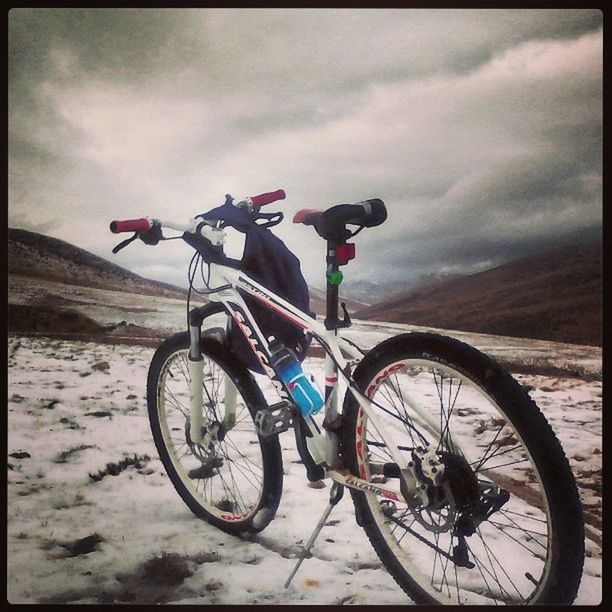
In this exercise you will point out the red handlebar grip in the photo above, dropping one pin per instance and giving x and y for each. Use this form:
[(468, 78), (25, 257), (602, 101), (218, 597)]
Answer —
[(268, 198), (130, 225)]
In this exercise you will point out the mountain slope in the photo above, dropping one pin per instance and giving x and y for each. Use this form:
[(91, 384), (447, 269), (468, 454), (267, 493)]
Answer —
[(554, 296), (38, 256)]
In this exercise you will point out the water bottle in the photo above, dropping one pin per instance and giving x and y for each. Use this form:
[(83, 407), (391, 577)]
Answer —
[(288, 368)]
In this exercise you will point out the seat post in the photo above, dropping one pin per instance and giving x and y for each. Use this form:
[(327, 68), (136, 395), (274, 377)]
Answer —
[(334, 277)]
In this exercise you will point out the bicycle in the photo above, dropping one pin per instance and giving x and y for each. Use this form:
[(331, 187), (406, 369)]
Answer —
[(455, 475)]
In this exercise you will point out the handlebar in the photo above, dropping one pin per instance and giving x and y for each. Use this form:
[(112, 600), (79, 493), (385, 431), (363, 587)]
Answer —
[(131, 225), (144, 224), (267, 198)]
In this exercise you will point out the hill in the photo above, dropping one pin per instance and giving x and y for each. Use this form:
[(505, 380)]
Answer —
[(552, 296), (37, 256)]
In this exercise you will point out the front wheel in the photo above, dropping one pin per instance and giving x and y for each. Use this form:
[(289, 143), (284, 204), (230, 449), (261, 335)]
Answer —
[(233, 478), (497, 518)]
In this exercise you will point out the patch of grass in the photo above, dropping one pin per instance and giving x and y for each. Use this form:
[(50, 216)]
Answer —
[(114, 469), (71, 423), (65, 455), (79, 500), (100, 413), (20, 455), (167, 569)]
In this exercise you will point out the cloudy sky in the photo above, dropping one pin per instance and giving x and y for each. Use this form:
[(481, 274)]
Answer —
[(480, 129)]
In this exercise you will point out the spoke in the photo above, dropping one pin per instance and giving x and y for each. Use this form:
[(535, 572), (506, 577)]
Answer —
[(448, 553), (501, 567), (516, 462), (488, 553), (382, 444), (446, 431), (181, 364), (481, 567), (245, 467), (484, 457), (526, 516), (170, 397), (510, 537), (235, 493), (445, 415), (496, 453), (528, 532), (405, 412), (405, 420), (456, 579)]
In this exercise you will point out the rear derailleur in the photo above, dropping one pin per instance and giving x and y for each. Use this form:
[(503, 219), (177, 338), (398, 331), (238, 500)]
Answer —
[(449, 497)]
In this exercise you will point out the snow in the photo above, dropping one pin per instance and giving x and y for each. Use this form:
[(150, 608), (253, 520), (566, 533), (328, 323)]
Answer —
[(68, 419)]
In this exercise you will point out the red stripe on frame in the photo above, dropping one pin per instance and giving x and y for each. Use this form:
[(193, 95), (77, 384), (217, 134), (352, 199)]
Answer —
[(272, 306)]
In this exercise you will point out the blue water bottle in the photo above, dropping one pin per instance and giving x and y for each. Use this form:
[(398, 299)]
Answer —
[(288, 368)]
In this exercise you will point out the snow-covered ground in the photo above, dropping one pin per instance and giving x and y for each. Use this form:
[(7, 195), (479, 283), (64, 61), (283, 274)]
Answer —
[(75, 407)]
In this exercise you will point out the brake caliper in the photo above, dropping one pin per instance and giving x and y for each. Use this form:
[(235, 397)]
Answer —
[(428, 471)]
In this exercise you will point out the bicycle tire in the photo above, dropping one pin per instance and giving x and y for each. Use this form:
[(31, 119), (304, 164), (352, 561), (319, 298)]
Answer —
[(559, 551), (236, 483)]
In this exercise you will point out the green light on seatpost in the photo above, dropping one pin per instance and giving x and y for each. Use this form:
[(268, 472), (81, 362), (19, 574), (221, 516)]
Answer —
[(334, 277)]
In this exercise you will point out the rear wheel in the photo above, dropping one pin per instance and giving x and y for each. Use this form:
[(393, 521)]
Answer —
[(232, 479), (498, 519)]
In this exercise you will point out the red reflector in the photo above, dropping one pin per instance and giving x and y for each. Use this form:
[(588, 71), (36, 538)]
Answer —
[(344, 253)]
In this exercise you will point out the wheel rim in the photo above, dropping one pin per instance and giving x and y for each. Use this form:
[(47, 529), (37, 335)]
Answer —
[(224, 476), (510, 550)]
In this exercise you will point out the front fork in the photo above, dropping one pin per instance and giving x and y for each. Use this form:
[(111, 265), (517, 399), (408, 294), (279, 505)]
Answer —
[(195, 362)]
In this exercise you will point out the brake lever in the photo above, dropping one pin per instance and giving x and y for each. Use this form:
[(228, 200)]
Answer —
[(270, 219), (124, 243)]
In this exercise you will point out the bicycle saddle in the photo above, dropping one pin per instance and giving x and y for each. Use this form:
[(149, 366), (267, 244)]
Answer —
[(331, 223)]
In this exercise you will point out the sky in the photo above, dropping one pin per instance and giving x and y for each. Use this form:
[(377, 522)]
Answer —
[(481, 129)]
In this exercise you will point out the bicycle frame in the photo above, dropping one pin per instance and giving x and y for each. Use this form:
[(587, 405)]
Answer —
[(224, 286)]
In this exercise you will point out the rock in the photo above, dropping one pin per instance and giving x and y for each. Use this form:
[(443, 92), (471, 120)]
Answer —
[(83, 546), (101, 366), (317, 484)]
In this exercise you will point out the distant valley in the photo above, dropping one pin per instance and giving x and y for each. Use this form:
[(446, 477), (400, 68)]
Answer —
[(552, 296)]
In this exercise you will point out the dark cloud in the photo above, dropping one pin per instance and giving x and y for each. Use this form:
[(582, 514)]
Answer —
[(121, 44), (481, 129)]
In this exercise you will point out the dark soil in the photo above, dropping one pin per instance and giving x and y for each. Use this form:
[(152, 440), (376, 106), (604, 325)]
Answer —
[(26, 318)]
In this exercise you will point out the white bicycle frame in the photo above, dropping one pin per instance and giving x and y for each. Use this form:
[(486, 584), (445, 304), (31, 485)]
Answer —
[(224, 283)]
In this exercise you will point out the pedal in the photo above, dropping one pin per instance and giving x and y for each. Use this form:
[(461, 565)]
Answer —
[(275, 419)]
